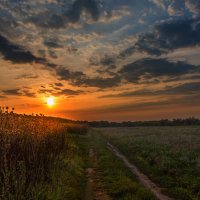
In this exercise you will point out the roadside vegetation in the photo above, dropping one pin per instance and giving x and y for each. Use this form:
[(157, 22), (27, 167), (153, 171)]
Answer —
[(170, 156), (39, 158)]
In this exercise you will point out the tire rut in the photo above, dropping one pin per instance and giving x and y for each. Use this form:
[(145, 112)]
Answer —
[(94, 188), (144, 180)]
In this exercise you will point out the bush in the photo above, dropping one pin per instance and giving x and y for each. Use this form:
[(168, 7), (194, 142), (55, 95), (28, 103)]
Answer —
[(81, 129)]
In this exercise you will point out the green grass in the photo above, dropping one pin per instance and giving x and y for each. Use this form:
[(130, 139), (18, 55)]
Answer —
[(66, 177), (116, 178), (168, 155)]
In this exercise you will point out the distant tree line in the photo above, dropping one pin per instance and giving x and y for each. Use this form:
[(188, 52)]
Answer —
[(164, 122), (192, 121)]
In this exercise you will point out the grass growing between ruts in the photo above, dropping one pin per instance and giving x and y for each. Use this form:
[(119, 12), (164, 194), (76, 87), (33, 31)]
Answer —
[(117, 180)]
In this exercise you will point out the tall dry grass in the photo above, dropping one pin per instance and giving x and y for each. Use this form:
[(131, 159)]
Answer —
[(29, 146)]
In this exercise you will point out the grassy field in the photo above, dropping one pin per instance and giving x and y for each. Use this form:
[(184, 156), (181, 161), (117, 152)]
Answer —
[(168, 155), (45, 158)]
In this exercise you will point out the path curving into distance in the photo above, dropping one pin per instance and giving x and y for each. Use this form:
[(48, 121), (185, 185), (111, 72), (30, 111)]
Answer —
[(144, 180)]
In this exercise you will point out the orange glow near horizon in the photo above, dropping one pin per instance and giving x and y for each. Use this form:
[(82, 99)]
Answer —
[(90, 107)]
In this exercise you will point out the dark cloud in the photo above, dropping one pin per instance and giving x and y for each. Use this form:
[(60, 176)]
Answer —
[(52, 43), (90, 6), (186, 88), (107, 65), (12, 92), (145, 70), (167, 36), (81, 79), (107, 61), (50, 20), (27, 76), (45, 91), (106, 71), (65, 74), (57, 91), (16, 53), (69, 92), (19, 55), (58, 84), (19, 92), (56, 88), (27, 93), (152, 68), (69, 14), (51, 65), (98, 82), (182, 89)]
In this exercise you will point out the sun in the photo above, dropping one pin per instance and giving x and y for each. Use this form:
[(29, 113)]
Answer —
[(50, 101)]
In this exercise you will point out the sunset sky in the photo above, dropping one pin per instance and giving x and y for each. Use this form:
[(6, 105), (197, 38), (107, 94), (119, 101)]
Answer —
[(114, 60)]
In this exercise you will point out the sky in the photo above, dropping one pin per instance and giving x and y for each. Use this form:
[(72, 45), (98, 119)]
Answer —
[(115, 60)]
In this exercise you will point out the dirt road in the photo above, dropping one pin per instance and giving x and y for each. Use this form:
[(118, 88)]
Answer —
[(94, 189), (145, 181)]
